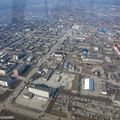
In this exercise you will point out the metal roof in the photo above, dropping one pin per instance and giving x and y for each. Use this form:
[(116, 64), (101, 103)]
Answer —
[(89, 84), (40, 87)]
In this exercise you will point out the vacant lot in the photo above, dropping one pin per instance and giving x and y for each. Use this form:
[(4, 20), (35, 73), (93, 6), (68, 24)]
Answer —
[(16, 116)]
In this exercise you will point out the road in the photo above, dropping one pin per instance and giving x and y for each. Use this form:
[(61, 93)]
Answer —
[(8, 102)]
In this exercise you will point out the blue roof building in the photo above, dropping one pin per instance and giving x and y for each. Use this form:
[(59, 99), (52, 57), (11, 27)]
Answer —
[(89, 84)]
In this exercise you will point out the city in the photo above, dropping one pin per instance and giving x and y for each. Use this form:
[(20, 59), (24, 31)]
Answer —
[(61, 65)]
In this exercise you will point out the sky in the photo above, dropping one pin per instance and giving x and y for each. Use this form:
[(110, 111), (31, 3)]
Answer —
[(9, 5)]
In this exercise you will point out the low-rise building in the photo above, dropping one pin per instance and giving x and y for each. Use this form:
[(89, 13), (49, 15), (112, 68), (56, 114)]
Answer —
[(48, 74), (116, 99), (19, 55), (8, 69), (6, 81), (30, 58), (40, 90), (104, 89), (89, 84), (117, 49), (58, 56), (4, 58)]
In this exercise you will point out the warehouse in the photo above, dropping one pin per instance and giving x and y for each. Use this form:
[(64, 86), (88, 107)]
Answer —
[(92, 60), (6, 81), (40, 90), (89, 84)]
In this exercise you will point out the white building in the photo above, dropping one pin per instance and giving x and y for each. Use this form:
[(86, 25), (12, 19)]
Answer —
[(88, 84), (58, 56), (96, 49), (104, 89), (40, 90)]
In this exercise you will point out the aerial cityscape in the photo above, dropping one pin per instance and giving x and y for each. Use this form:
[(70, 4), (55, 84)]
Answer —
[(60, 60)]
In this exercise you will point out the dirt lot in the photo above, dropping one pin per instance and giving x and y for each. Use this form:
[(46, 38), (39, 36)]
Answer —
[(6, 94), (16, 116)]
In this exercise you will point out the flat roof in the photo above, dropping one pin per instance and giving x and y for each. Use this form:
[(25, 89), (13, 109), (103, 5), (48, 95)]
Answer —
[(4, 78), (88, 84), (40, 87), (8, 67), (48, 74)]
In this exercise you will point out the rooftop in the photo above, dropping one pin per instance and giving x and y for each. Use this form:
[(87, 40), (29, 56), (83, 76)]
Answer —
[(4, 78), (40, 87)]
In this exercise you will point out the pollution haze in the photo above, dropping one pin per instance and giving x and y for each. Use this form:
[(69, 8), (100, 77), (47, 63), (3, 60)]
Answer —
[(11, 8)]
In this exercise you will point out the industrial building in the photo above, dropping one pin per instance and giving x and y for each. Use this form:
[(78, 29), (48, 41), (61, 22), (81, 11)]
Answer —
[(92, 60), (40, 90), (89, 84), (6, 81), (20, 69)]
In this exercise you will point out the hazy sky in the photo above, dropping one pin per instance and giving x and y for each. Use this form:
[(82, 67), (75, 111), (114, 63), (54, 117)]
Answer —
[(7, 3)]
